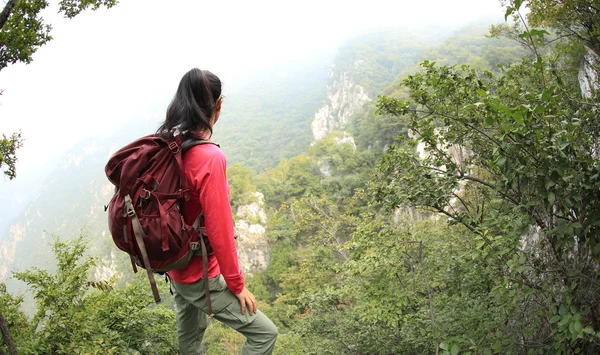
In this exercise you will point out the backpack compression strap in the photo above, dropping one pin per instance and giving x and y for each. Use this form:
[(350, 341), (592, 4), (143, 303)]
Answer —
[(139, 238), (196, 227)]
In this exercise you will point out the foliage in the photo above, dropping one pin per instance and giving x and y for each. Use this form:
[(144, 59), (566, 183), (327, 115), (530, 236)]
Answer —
[(518, 147), (242, 189), (507, 156), (16, 321), (8, 153), (76, 316), (292, 178), (575, 18)]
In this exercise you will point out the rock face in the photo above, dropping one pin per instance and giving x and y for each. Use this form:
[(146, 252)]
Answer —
[(8, 247), (588, 75), (107, 268), (344, 99), (252, 241)]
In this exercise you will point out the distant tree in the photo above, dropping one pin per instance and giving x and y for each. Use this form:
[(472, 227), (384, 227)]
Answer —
[(22, 32), (8, 149), (242, 188)]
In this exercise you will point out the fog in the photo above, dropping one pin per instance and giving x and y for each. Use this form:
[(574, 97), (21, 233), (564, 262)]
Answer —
[(106, 67)]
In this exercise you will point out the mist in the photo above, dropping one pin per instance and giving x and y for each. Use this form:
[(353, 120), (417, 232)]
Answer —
[(108, 67)]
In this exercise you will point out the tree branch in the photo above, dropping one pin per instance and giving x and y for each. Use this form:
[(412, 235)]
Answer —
[(12, 348), (531, 210), (462, 202), (6, 12), (465, 124), (534, 47)]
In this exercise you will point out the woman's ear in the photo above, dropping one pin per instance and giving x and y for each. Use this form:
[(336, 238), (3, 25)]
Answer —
[(218, 105)]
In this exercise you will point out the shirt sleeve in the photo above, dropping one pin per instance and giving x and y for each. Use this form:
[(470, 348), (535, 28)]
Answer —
[(214, 199)]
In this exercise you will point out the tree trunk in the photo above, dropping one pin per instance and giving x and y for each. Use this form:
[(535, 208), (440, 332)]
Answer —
[(6, 12), (12, 348)]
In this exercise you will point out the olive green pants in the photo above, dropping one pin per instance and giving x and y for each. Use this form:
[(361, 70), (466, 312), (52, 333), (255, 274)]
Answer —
[(190, 301)]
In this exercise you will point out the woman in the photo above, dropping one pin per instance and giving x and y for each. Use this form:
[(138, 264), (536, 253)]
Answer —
[(194, 111)]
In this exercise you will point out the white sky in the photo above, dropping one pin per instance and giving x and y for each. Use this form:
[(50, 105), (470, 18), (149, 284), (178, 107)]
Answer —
[(108, 66)]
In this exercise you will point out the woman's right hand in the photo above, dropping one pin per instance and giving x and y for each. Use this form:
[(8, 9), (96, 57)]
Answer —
[(246, 298)]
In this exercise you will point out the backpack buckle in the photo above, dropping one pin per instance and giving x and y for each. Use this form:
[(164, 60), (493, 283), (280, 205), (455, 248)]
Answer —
[(145, 194), (174, 147), (129, 206), (194, 246)]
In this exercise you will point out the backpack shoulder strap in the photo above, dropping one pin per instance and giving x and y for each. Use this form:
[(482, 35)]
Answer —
[(190, 143)]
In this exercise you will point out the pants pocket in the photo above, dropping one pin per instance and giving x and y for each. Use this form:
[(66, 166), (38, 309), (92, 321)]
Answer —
[(234, 312), (220, 296)]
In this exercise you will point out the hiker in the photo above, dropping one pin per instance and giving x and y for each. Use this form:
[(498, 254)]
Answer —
[(193, 112)]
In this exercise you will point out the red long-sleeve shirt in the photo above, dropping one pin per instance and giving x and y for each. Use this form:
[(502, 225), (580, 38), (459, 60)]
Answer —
[(205, 169)]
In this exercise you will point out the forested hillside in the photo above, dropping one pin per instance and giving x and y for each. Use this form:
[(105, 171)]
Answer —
[(456, 211), (270, 117)]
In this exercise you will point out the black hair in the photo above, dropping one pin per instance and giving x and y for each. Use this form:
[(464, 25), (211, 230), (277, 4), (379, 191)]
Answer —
[(194, 103)]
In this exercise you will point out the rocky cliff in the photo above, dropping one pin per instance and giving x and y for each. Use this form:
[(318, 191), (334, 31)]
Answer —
[(344, 98)]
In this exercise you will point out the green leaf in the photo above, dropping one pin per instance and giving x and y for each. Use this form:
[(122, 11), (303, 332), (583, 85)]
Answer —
[(549, 183), (577, 326), (566, 319), (509, 11), (596, 251), (573, 327), (547, 95), (555, 319), (518, 4), (589, 330), (562, 310), (538, 32), (551, 197), (501, 160), (519, 117), (481, 93), (539, 109), (454, 350), (444, 345)]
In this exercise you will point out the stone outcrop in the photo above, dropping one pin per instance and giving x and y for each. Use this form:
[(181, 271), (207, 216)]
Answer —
[(252, 244), (107, 268), (8, 247), (588, 74), (344, 99)]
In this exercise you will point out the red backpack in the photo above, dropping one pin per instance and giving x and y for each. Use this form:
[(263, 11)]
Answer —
[(144, 215)]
